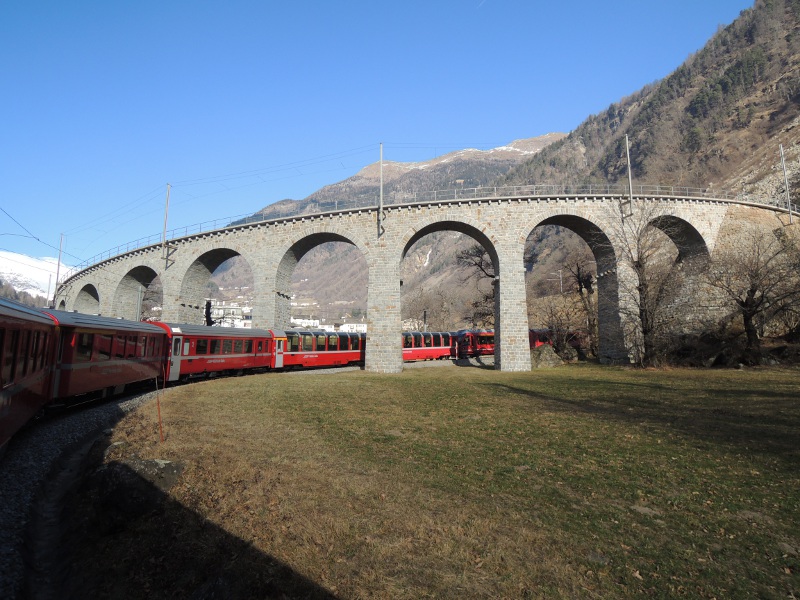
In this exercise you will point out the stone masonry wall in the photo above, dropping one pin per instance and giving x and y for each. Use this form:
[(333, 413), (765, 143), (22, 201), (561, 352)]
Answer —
[(272, 250)]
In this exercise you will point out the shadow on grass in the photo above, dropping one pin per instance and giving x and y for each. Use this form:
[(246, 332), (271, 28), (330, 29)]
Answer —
[(122, 536), (762, 421), (480, 362)]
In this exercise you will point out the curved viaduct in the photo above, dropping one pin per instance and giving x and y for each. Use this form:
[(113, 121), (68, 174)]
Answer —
[(272, 249)]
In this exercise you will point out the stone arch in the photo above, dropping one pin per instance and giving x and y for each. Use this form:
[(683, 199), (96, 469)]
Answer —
[(690, 243), (298, 246), (474, 229), (62, 305), (88, 300), (591, 233), (611, 342), (505, 285), (130, 291), (191, 301)]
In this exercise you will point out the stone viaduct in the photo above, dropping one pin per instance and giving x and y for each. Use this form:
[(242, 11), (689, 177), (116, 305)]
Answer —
[(500, 220)]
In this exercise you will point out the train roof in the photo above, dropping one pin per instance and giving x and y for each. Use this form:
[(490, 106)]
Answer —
[(11, 308), (234, 332), (65, 318), (322, 332)]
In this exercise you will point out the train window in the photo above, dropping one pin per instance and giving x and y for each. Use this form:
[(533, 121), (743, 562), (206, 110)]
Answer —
[(202, 347), (427, 340), (216, 346), (248, 346), (34, 351), (293, 341), (131, 347), (333, 342), (187, 346), (408, 341), (417, 340), (308, 342), (227, 346), (437, 339), (2, 347), (83, 347), (25, 341), (237, 347), (119, 347), (40, 351), (321, 342), (142, 349), (103, 345), (176, 347), (10, 358), (344, 342), (260, 346), (446, 340), (355, 341)]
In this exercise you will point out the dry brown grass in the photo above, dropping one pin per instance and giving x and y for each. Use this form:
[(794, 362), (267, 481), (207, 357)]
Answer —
[(454, 483)]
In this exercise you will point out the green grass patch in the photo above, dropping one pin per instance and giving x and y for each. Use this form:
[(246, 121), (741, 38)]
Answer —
[(580, 481)]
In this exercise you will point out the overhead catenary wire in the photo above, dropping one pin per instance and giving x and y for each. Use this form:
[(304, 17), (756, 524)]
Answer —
[(148, 205), (34, 236)]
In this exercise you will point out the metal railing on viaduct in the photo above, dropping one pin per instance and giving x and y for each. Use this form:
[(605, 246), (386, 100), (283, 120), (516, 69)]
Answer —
[(286, 210)]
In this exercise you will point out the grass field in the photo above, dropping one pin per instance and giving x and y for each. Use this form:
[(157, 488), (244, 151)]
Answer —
[(580, 481)]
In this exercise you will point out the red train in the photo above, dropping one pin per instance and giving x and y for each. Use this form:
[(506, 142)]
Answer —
[(46, 355), (54, 354), (418, 345)]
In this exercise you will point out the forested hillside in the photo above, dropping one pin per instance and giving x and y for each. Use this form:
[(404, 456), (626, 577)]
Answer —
[(717, 121)]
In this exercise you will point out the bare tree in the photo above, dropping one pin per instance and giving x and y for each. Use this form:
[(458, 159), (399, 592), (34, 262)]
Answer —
[(480, 270), (583, 280), (760, 277), (642, 234), (431, 310), (563, 315)]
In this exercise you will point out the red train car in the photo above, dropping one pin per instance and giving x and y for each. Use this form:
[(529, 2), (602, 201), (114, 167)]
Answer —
[(540, 337), (317, 348), (200, 351), (27, 342), (418, 345), (100, 354), (475, 343)]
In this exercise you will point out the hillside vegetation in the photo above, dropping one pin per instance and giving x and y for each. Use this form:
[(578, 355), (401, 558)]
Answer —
[(716, 121)]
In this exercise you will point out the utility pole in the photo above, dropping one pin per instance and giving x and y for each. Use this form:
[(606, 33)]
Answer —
[(560, 280), (58, 269), (381, 229), (630, 183), (165, 248), (786, 183)]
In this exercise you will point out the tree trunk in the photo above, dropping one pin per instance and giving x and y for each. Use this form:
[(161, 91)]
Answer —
[(752, 349)]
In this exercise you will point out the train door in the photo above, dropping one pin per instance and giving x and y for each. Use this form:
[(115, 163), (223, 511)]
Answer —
[(279, 350), (175, 359)]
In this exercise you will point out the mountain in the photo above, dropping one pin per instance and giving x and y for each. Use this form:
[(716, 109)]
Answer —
[(461, 169), (27, 279), (28, 274), (716, 121)]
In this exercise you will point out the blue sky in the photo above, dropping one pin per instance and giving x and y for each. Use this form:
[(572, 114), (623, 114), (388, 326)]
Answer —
[(104, 103)]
